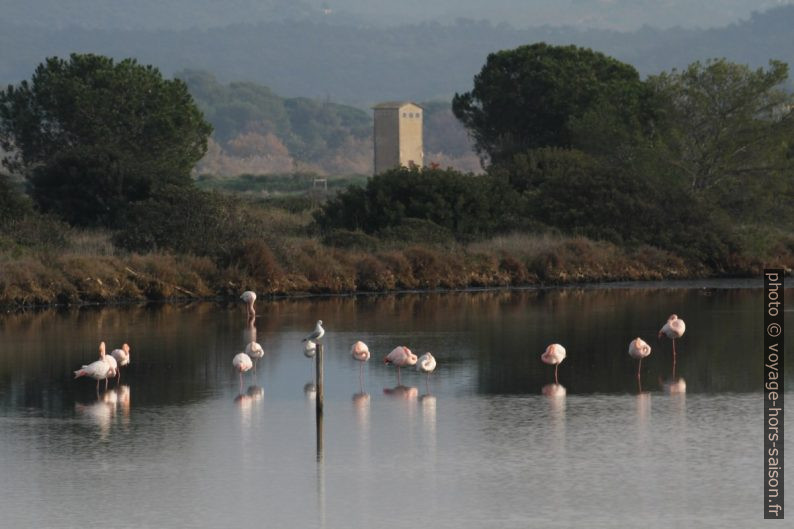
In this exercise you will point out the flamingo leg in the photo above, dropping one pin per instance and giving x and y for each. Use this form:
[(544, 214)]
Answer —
[(555, 373), (106, 383), (674, 359), (639, 368), (398, 375)]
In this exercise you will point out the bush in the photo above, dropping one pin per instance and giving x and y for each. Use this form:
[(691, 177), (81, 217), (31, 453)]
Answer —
[(466, 205), (350, 239), (417, 231), (184, 220)]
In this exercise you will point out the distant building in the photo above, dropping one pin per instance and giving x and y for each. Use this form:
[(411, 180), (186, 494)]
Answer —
[(397, 135)]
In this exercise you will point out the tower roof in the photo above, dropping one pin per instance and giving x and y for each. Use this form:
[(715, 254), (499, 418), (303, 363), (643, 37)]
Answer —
[(395, 104)]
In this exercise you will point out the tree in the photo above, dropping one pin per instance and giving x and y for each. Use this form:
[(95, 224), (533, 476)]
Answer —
[(531, 96), (92, 135), (730, 131)]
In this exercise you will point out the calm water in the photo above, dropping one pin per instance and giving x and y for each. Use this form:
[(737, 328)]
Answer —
[(178, 444)]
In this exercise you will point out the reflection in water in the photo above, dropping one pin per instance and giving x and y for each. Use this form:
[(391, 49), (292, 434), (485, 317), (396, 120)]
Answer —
[(246, 402), (310, 390), (675, 387), (403, 392), (99, 413)]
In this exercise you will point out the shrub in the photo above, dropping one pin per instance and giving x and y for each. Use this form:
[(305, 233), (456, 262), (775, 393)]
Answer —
[(412, 230), (350, 239)]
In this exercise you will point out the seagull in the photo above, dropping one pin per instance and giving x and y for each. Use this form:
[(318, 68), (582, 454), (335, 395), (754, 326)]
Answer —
[(97, 370), (554, 355), (639, 349), (317, 334), (122, 357), (674, 328), (249, 297)]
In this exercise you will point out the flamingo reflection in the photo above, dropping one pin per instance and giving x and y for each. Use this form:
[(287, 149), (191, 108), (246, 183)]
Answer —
[(403, 392)]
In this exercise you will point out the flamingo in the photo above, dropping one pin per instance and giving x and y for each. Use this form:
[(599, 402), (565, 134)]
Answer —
[(122, 357), (554, 355), (310, 349), (360, 352), (317, 334), (255, 351), (639, 349), (249, 297), (97, 370), (674, 328), (400, 356), (114, 368), (426, 364), (242, 363)]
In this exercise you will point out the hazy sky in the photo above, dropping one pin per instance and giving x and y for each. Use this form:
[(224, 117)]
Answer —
[(180, 14)]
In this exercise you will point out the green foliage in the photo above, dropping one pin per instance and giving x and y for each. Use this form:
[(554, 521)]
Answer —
[(183, 220), (532, 97), (416, 231), (350, 239), (582, 195), (13, 204), (729, 131), (465, 204), (276, 183), (92, 134)]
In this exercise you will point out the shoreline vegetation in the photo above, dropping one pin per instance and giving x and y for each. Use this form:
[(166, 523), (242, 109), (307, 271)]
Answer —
[(591, 174), (91, 274)]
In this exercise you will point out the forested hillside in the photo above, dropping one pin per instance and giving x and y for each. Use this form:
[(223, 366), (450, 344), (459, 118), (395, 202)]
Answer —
[(259, 132)]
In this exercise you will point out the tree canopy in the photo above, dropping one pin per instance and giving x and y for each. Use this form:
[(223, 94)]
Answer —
[(533, 96), (729, 131), (92, 134)]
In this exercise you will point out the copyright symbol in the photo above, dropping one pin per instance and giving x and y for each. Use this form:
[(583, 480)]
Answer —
[(773, 330)]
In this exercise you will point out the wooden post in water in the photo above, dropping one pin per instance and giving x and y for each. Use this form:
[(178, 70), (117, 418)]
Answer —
[(319, 367), (319, 401)]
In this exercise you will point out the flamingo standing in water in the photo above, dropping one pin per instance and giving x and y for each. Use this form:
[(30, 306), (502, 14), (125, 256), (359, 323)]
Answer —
[(554, 355), (249, 297), (674, 328), (254, 351), (360, 352), (426, 364), (97, 370), (400, 356), (122, 357), (242, 363), (639, 349)]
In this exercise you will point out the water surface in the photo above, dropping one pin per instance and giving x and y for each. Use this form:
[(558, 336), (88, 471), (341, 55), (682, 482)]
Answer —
[(484, 443)]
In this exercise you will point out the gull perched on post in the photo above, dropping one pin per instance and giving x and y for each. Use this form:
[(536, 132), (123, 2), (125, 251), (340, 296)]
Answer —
[(317, 334)]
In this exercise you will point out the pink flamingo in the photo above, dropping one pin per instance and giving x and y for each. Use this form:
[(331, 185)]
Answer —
[(255, 351), (400, 356), (249, 297), (639, 349), (242, 363), (554, 355), (360, 352), (674, 328), (122, 357), (97, 370)]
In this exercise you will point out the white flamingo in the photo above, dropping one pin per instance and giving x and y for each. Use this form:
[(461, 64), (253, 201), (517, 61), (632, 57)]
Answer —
[(249, 297), (639, 349), (255, 351), (673, 329), (242, 363), (426, 364), (360, 352), (399, 357), (98, 370), (554, 355), (122, 357), (316, 334)]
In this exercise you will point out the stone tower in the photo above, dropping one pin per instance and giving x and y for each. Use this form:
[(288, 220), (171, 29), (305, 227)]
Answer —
[(397, 135)]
